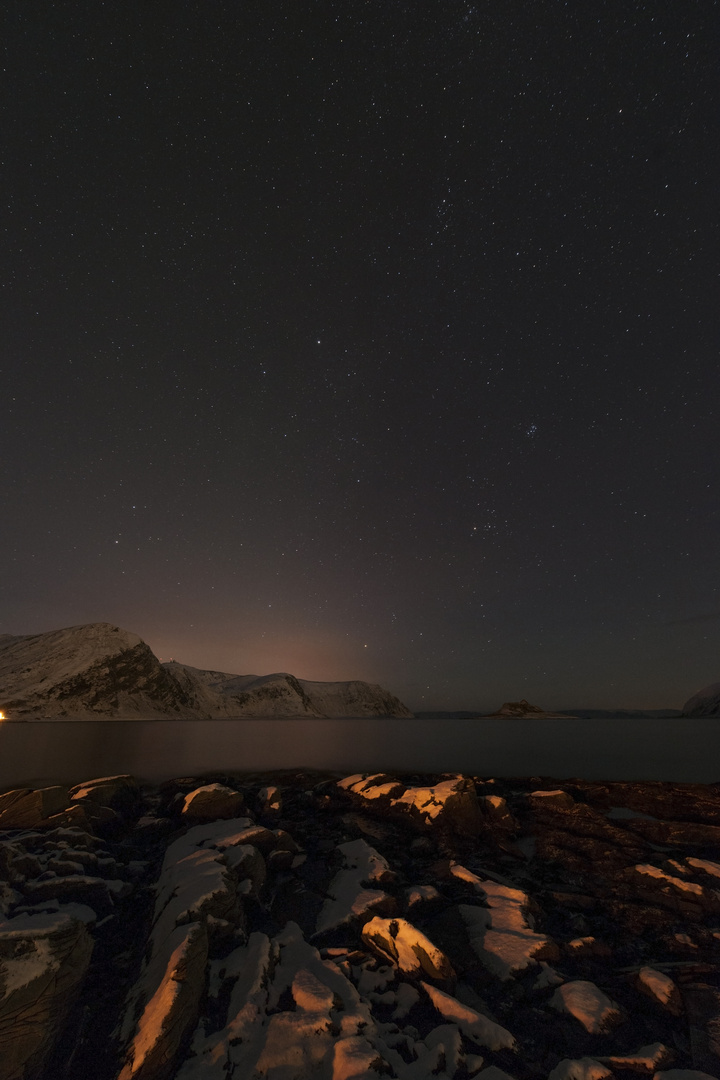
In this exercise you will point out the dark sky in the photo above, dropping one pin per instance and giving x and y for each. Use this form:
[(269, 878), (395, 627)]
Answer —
[(368, 339)]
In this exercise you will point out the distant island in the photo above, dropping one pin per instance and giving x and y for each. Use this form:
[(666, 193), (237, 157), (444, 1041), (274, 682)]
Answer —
[(511, 708), (523, 709), (101, 671)]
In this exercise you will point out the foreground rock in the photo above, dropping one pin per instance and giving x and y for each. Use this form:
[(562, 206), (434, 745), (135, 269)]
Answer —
[(212, 802), (355, 927), (588, 1004), (452, 802), (43, 961), (25, 808)]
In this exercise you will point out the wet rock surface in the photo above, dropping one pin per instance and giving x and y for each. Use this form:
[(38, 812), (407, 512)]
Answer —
[(300, 925)]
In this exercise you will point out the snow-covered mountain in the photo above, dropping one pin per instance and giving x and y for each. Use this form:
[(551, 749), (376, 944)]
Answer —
[(101, 670), (705, 703), (281, 694)]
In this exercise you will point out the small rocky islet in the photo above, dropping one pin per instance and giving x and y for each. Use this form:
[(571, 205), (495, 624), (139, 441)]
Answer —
[(304, 925)]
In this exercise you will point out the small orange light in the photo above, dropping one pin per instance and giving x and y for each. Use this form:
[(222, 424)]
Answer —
[(2, 715)]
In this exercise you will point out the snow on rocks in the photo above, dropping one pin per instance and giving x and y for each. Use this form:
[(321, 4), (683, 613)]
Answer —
[(706, 865), (289, 1014), (660, 987), (207, 965), (486, 1033), (244, 832), (406, 997), (106, 790), (452, 802), (25, 808), (105, 799), (211, 802), (350, 896), (422, 897), (43, 961), (97, 892), (171, 987), (587, 946), (195, 893), (683, 1074), (407, 947), (645, 1060), (586, 1068), (648, 870), (354, 1058), (98, 802), (588, 1004), (16, 863), (248, 864), (495, 809), (503, 939), (493, 1073), (547, 977), (555, 798), (198, 886), (269, 801), (9, 898)]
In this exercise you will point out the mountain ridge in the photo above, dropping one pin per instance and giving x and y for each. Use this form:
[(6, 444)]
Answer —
[(99, 670)]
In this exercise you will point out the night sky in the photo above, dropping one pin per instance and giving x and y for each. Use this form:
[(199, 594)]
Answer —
[(368, 339)]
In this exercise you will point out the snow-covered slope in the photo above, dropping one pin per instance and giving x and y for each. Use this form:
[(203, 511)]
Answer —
[(283, 694), (220, 694), (101, 670), (353, 698), (705, 703), (96, 668)]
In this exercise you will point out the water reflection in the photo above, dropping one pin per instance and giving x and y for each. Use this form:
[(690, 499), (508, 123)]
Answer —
[(154, 750)]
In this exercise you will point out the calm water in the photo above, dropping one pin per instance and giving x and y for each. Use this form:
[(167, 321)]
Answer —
[(154, 750)]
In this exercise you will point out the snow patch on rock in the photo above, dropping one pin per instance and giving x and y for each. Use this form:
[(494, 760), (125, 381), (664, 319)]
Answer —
[(587, 1003)]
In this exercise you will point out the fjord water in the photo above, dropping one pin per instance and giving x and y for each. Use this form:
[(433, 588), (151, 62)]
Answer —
[(44, 752)]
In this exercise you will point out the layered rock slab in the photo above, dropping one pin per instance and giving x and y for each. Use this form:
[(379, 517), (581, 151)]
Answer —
[(587, 1003), (196, 892), (263, 1039), (351, 896), (502, 936), (43, 961), (452, 803), (408, 948)]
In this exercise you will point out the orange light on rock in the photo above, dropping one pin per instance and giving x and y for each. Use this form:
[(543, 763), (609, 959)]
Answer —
[(2, 715)]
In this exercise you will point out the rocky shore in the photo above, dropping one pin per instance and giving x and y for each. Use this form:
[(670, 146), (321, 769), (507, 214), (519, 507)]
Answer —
[(303, 925)]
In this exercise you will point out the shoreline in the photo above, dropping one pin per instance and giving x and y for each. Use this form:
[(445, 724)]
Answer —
[(538, 924)]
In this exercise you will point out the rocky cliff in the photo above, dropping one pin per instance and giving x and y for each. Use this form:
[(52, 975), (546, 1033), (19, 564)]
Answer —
[(101, 670), (97, 669)]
